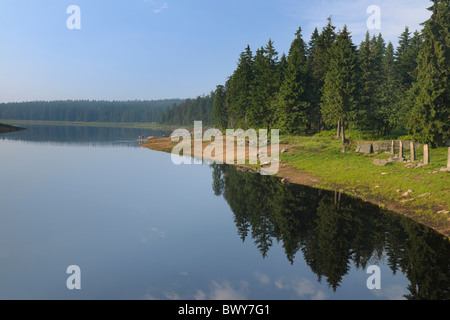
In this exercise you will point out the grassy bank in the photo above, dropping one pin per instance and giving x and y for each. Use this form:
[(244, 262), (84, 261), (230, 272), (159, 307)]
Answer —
[(355, 174), (317, 161)]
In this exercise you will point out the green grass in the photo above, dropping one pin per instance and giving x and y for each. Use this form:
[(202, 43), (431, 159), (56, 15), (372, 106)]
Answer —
[(356, 174)]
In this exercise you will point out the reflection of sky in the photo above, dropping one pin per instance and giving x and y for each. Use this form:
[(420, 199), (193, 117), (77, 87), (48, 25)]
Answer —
[(279, 283), (139, 227), (83, 135)]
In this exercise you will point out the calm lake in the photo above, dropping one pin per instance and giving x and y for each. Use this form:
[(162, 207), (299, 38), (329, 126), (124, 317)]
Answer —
[(140, 227)]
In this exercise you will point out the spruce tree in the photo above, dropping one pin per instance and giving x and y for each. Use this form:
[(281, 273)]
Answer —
[(265, 86), (239, 93), (370, 79), (429, 118), (220, 115), (338, 100), (389, 92), (293, 104), (406, 57), (318, 57)]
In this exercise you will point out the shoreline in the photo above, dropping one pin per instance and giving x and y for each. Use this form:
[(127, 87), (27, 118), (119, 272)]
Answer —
[(294, 175), (136, 125), (5, 128)]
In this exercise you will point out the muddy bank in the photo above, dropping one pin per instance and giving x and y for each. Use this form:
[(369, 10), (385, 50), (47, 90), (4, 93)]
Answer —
[(4, 128), (290, 174)]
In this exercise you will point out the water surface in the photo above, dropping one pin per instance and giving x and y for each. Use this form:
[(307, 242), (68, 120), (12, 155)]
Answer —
[(140, 227)]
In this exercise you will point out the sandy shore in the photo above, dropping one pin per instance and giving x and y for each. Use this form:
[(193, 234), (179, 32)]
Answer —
[(288, 174), (284, 171)]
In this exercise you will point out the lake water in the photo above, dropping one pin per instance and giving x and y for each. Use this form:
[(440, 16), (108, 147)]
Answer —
[(140, 227)]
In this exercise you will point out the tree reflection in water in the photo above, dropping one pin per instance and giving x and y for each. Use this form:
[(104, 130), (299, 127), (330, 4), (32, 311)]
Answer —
[(334, 231)]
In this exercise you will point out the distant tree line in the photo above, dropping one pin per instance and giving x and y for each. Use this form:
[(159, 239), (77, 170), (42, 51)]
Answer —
[(87, 111), (331, 83), (170, 111), (185, 113)]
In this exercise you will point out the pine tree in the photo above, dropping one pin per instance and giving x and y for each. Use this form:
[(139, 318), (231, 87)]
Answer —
[(265, 86), (339, 91), (406, 57), (389, 92), (370, 79), (293, 107), (239, 93), (220, 110), (319, 56), (282, 67), (429, 118)]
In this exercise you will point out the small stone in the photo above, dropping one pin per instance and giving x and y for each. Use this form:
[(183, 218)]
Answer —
[(424, 195), (443, 212), (407, 193), (285, 181)]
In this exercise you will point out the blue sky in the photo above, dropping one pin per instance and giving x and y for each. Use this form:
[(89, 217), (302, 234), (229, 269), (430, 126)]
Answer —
[(157, 49)]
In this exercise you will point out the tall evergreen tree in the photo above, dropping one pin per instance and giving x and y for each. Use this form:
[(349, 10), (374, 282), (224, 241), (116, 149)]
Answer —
[(319, 56), (240, 84), (266, 85), (429, 118), (293, 104), (370, 78), (220, 109), (406, 57), (389, 92), (339, 91)]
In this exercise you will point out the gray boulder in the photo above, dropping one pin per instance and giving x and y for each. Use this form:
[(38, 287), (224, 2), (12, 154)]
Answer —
[(365, 148), (381, 163)]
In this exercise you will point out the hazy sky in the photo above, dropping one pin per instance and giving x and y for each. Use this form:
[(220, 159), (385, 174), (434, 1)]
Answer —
[(157, 49)]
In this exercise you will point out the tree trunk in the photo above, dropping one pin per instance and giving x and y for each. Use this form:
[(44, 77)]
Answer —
[(343, 132), (338, 135), (320, 124)]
